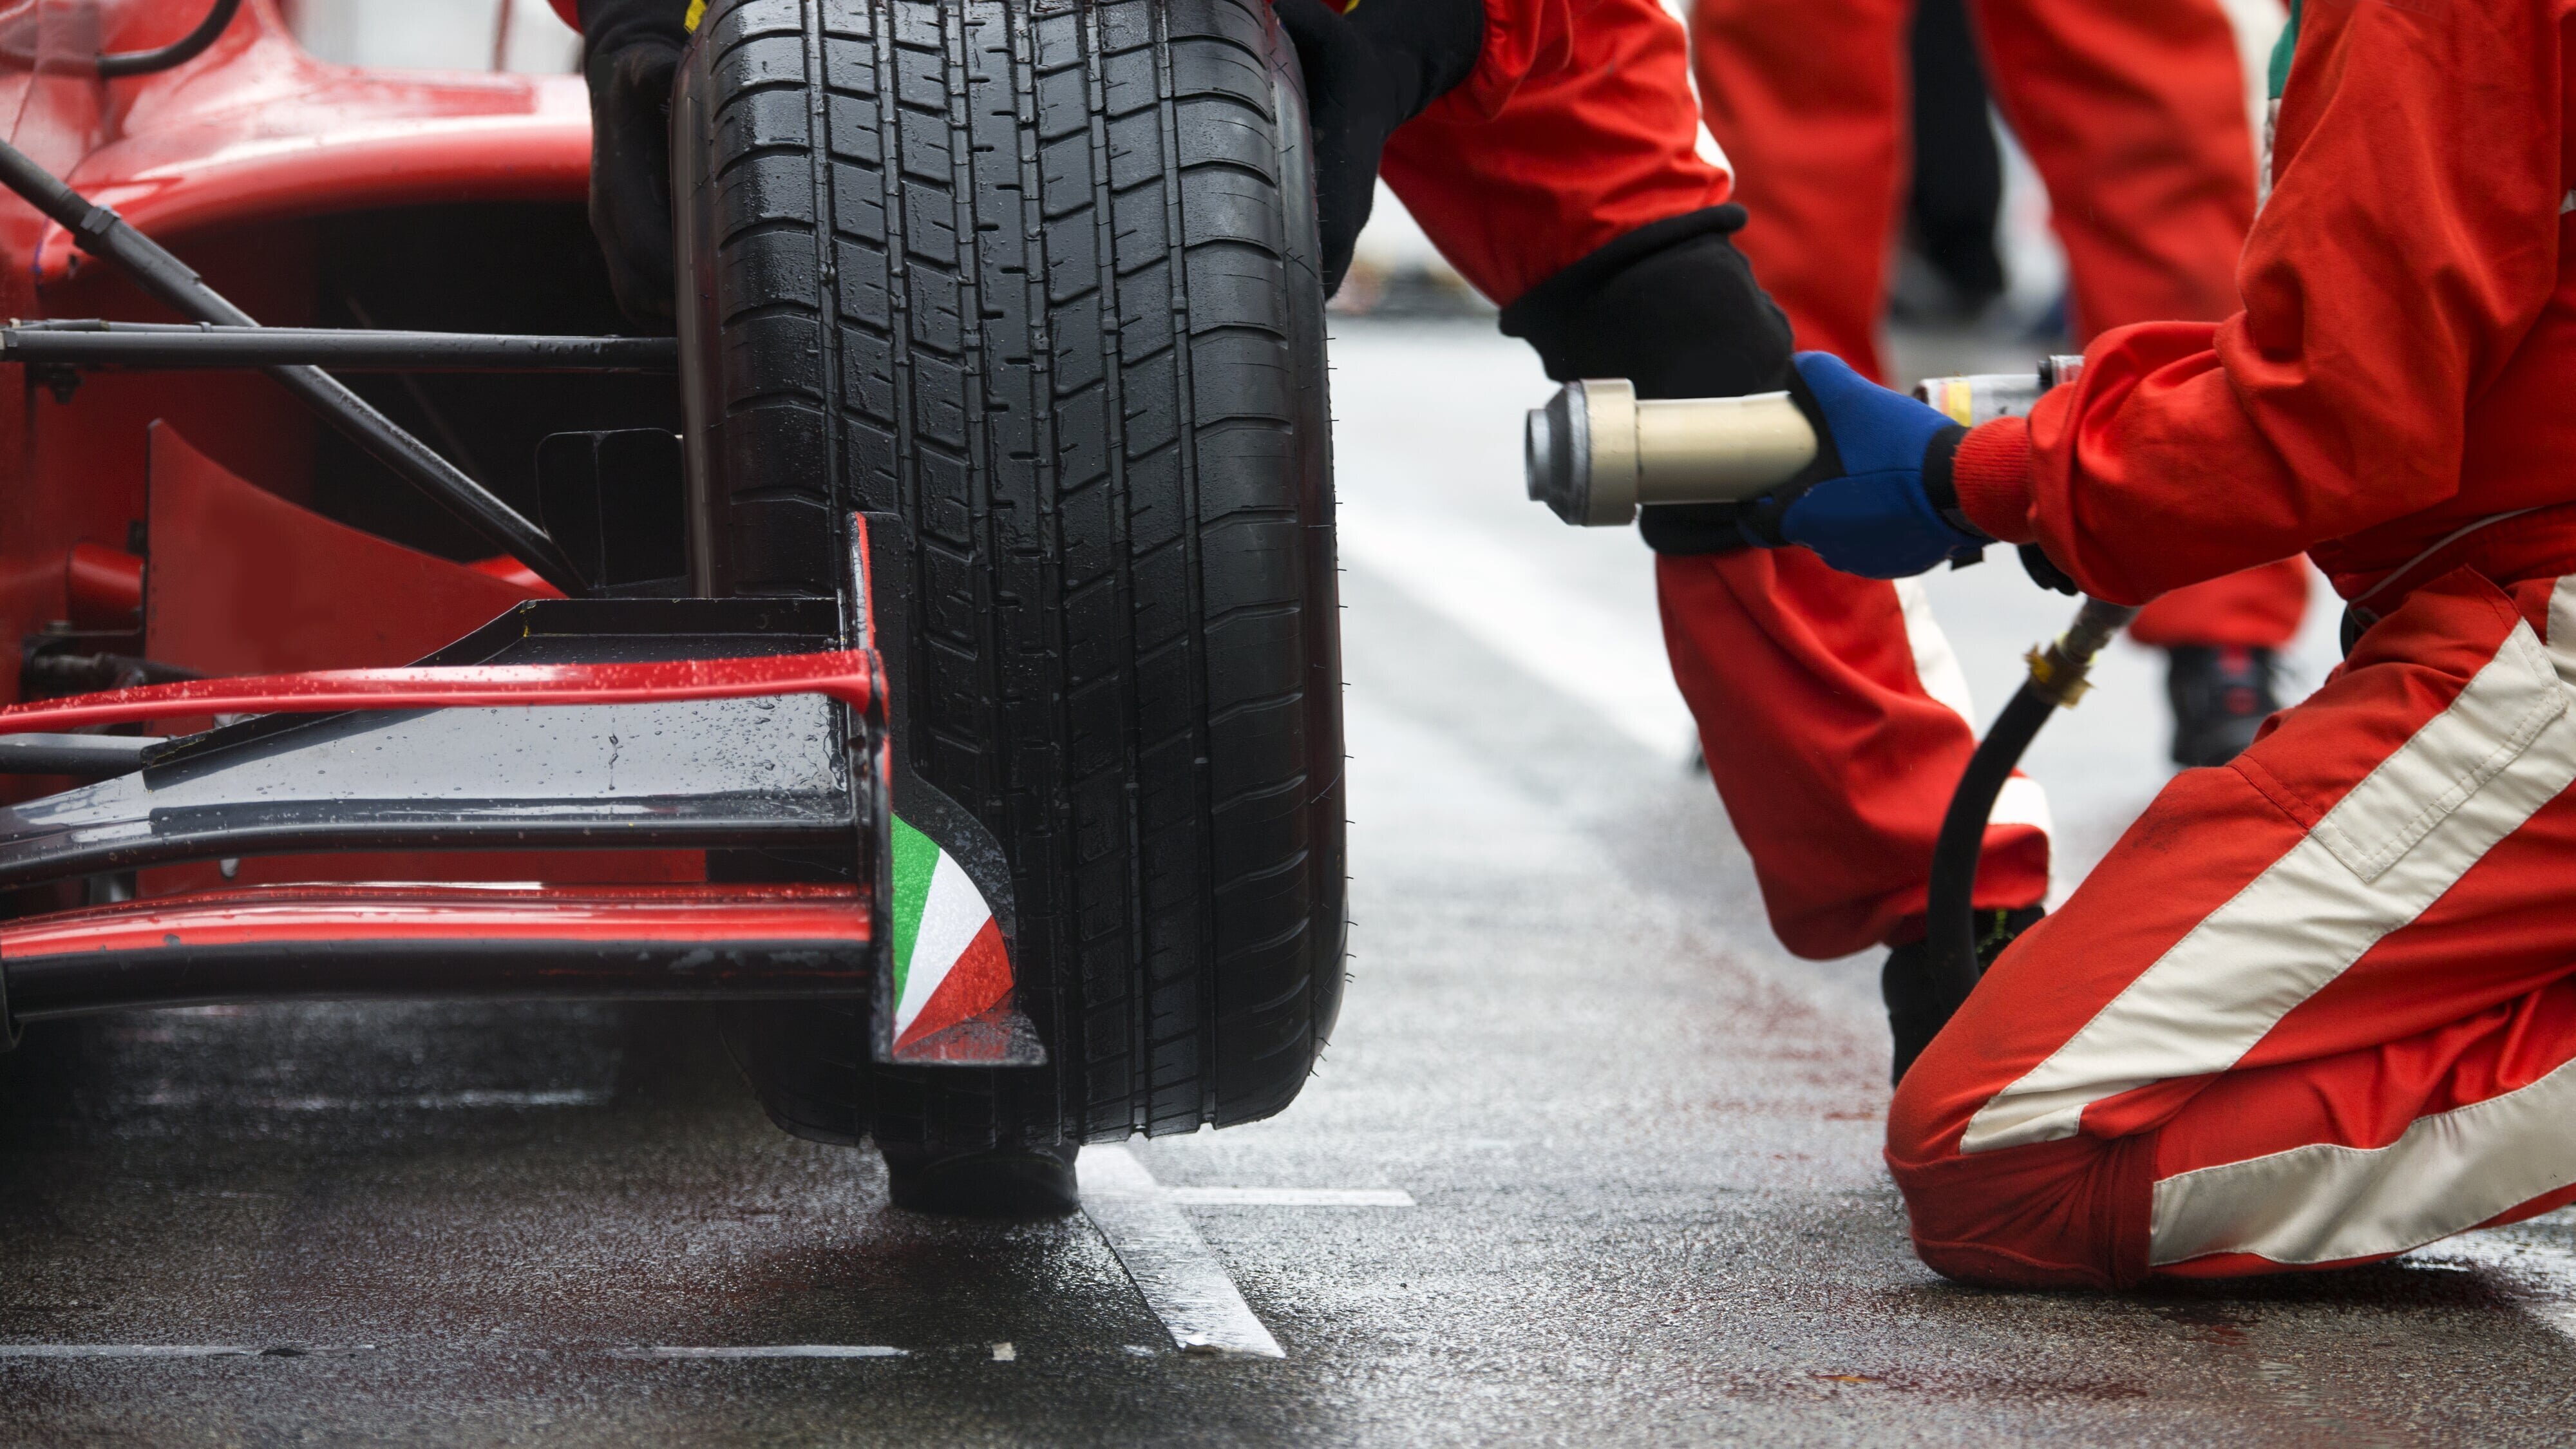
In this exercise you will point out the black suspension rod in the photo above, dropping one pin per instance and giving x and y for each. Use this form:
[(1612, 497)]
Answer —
[(2057, 680), (96, 756), (177, 53), (171, 282), (147, 345)]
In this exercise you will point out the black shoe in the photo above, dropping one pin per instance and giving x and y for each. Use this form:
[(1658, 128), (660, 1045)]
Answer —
[(2221, 696), (988, 1182), (1914, 1014)]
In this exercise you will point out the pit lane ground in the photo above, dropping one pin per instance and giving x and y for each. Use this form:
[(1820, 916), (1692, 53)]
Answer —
[(1638, 1142)]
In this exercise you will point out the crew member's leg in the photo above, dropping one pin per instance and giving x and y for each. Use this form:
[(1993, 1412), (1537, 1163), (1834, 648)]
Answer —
[(1868, 701), (1835, 722), (2317, 1007), (1808, 102), (2259, 608), (2134, 115), (1809, 686), (1955, 191)]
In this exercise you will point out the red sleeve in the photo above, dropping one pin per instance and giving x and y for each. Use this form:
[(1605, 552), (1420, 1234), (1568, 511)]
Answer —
[(1576, 127), (570, 10), (2410, 241)]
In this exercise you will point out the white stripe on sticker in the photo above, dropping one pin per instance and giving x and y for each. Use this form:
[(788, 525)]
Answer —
[(951, 916)]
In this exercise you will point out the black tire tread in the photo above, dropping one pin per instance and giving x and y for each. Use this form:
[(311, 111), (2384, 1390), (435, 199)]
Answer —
[(1057, 331)]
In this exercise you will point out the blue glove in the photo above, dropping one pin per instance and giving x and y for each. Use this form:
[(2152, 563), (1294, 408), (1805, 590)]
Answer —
[(1874, 519)]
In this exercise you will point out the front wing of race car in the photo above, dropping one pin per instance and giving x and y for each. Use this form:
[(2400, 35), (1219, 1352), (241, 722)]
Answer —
[(623, 724)]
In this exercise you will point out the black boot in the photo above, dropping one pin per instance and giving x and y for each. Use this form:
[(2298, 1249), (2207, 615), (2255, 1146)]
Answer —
[(1914, 1013), (986, 1182), (2221, 696)]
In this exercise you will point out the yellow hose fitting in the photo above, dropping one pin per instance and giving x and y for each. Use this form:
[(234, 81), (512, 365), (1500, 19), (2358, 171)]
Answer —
[(2061, 672), (2064, 681)]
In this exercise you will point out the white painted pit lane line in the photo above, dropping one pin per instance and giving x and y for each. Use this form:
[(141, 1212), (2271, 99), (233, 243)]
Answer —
[(1318, 1197), (170, 1350), (767, 1350), (126, 1350), (1167, 1260)]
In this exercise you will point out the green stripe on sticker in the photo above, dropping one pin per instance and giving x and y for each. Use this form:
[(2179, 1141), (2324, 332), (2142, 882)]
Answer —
[(916, 861)]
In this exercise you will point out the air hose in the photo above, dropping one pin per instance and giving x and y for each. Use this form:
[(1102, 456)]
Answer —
[(2058, 678)]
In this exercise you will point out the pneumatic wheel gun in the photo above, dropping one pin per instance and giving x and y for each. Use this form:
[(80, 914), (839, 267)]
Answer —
[(1597, 451)]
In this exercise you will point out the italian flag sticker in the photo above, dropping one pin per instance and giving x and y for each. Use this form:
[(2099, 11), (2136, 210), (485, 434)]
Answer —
[(949, 964)]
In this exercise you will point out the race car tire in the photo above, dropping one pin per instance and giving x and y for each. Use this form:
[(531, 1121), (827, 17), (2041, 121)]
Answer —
[(1034, 286)]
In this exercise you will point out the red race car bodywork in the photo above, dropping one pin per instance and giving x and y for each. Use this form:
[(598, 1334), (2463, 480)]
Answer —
[(186, 549), (234, 160)]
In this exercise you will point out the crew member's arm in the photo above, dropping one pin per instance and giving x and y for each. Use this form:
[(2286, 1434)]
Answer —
[(2411, 237)]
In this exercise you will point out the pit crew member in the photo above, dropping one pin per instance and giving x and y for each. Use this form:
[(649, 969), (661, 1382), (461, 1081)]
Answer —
[(2318, 1006)]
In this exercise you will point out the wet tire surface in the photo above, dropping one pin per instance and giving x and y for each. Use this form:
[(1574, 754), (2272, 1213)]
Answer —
[(1031, 284)]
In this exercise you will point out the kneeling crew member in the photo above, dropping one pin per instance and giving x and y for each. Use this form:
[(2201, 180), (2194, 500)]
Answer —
[(2318, 1007)]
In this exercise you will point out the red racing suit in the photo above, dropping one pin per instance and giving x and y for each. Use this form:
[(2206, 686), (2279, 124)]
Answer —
[(2133, 114), (2319, 1005)]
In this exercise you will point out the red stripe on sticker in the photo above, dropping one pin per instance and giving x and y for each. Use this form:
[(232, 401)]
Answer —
[(975, 985)]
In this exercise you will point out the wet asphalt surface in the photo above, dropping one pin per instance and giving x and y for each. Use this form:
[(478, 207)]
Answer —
[(1641, 1145)]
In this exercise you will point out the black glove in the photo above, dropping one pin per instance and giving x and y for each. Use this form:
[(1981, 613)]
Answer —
[(631, 55), (1673, 308), (1369, 71)]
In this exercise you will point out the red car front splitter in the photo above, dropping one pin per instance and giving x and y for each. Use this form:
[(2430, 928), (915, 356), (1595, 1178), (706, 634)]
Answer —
[(400, 940)]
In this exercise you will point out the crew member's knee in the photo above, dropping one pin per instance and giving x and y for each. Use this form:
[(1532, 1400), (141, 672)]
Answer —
[(2071, 1213), (2068, 1214)]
